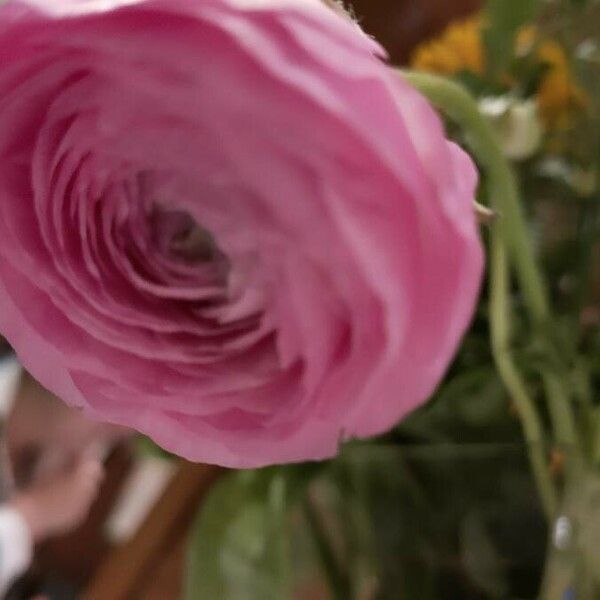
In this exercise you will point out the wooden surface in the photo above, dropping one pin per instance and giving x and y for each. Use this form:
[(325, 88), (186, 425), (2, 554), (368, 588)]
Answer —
[(129, 569)]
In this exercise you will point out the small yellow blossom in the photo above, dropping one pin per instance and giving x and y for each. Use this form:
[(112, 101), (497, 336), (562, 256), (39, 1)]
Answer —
[(460, 48), (559, 97)]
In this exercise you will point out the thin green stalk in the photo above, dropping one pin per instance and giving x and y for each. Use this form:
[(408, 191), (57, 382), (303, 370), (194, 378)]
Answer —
[(509, 234), (454, 100), (561, 413), (582, 383), (458, 104), (500, 338)]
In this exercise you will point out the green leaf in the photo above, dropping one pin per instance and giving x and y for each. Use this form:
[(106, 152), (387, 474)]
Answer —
[(240, 546), (239, 549), (504, 18)]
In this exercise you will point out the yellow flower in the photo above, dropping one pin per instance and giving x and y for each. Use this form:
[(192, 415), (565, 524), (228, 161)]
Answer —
[(559, 97), (460, 48)]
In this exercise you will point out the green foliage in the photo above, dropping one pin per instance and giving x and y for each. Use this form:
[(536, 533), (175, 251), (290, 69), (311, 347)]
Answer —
[(504, 18), (239, 543), (383, 522)]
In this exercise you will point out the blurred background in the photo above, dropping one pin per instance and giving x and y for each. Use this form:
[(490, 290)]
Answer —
[(441, 508)]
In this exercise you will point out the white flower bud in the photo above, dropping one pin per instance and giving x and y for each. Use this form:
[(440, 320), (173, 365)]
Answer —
[(517, 124)]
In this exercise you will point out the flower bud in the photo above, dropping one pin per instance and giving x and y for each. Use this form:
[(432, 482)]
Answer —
[(517, 124)]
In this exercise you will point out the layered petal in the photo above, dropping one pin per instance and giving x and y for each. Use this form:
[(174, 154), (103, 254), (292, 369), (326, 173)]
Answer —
[(227, 223)]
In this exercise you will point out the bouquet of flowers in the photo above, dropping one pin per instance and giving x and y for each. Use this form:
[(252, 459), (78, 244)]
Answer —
[(235, 227)]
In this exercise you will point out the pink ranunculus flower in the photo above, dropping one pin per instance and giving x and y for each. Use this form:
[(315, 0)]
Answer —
[(227, 223)]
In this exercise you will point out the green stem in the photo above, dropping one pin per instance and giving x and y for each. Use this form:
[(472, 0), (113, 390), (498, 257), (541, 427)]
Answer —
[(508, 234), (458, 104), (561, 413), (339, 584), (500, 339)]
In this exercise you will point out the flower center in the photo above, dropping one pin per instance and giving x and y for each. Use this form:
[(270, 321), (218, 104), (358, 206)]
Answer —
[(179, 236)]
